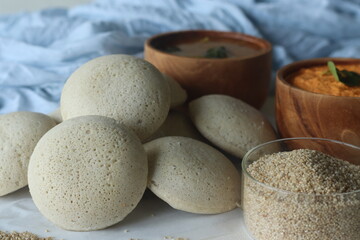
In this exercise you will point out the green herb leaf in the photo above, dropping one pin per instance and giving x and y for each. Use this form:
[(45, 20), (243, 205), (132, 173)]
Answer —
[(349, 78), (216, 52), (171, 49), (205, 39), (333, 69)]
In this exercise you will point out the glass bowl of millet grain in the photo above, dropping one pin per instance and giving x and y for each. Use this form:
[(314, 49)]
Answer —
[(302, 188)]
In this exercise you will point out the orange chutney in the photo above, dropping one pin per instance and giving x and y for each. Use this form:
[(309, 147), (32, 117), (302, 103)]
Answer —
[(318, 79)]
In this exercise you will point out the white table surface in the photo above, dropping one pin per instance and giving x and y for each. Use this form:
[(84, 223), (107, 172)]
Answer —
[(152, 219)]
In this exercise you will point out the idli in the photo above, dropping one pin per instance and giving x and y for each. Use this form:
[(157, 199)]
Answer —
[(123, 87), (56, 115), (177, 93), (192, 176), (87, 173), (19, 133), (230, 123), (177, 123)]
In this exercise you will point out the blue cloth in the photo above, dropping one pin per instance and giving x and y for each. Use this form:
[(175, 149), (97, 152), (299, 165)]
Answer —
[(39, 50)]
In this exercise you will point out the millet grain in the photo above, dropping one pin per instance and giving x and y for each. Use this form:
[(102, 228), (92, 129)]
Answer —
[(307, 207)]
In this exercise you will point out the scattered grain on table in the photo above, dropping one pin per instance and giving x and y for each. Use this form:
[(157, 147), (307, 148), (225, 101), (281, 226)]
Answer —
[(175, 238), (21, 236)]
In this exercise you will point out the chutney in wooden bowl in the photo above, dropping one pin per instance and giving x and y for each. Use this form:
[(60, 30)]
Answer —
[(330, 111)]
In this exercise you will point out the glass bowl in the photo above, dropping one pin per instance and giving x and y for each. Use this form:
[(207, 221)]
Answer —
[(273, 214)]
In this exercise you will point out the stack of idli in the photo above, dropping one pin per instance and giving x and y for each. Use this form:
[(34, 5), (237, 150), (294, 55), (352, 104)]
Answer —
[(123, 126)]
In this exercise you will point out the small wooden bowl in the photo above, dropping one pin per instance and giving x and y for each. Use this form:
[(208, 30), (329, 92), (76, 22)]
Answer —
[(300, 113), (246, 78)]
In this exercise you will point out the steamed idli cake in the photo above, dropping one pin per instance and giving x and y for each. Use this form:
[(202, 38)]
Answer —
[(177, 124), (192, 176), (177, 93), (123, 87), (230, 124), (56, 115), (88, 173), (19, 133)]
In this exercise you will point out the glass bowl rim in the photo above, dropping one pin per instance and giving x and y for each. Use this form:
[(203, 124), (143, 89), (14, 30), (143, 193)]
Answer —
[(246, 173)]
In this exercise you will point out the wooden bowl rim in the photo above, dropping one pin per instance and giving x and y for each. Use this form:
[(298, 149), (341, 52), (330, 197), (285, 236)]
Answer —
[(264, 45), (284, 72)]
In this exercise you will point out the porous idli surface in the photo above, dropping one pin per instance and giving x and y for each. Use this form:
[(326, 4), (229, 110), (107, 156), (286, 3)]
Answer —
[(87, 173), (192, 176), (123, 87), (230, 123), (19, 134), (177, 93), (56, 115), (177, 123)]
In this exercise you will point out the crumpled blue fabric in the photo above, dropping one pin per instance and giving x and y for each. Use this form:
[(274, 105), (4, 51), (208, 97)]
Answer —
[(39, 50)]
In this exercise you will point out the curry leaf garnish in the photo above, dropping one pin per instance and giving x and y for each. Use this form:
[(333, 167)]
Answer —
[(349, 78), (216, 52), (171, 49), (205, 39)]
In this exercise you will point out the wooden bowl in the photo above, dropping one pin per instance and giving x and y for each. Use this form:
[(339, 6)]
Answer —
[(246, 78), (300, 113)]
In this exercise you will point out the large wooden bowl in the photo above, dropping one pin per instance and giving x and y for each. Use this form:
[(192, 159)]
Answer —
[(301, 113), (246, 78)]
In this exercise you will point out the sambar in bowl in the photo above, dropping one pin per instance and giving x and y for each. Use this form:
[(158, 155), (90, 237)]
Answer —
[(214, 62)]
